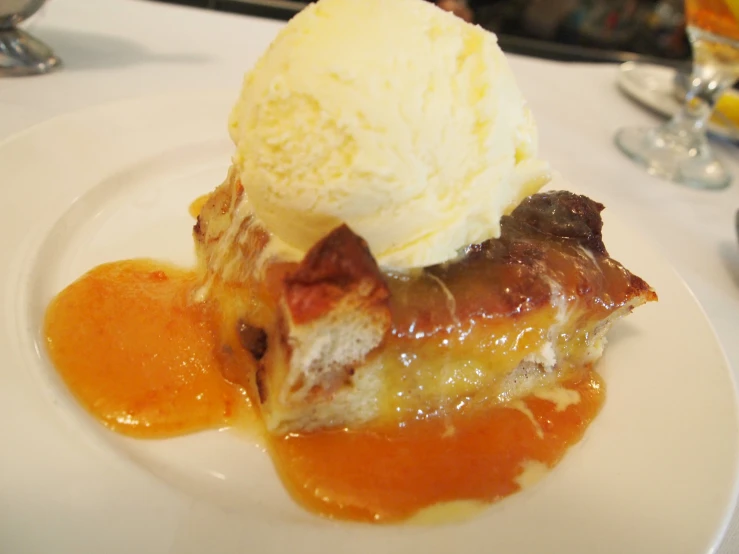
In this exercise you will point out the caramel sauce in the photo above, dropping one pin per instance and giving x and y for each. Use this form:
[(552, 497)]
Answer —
[(148, 362), (386, 475), (468, 366), (139, 355)]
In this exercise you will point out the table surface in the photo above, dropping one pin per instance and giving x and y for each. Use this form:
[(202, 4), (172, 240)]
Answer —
[(114, 49)]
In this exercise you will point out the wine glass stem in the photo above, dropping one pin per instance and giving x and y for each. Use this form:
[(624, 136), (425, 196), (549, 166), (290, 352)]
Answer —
[(714, 70), (707, 85)]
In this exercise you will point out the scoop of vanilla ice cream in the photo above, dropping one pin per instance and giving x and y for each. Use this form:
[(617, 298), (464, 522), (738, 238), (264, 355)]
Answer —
[(392, 116)]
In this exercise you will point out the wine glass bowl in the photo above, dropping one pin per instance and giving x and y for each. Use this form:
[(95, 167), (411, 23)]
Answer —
[(679, 149), (21, 53), (719, 17)]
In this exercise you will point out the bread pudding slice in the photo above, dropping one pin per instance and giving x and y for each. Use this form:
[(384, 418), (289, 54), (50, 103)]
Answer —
[(332, 340)]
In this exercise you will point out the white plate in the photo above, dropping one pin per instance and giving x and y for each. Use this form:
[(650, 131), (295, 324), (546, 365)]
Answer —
[(653, 87), (656, 472)]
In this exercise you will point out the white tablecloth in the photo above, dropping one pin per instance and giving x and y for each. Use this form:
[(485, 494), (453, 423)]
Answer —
[(114, 49)]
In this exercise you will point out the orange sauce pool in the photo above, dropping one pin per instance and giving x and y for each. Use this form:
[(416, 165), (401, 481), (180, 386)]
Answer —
[(138, 354), (148, 362), (389, 475)]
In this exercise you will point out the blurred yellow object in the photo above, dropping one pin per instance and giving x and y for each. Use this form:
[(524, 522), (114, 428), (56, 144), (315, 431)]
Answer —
[(734, 7), (718, 17), (727, 109)]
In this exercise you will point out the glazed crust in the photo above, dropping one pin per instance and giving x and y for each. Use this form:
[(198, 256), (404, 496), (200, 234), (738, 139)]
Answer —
[(335, 313), (552, 238)]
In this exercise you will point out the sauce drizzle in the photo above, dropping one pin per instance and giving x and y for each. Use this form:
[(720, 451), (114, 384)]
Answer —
[(147, 361)]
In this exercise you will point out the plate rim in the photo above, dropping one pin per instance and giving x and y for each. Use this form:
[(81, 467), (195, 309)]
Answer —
[(726, 369)]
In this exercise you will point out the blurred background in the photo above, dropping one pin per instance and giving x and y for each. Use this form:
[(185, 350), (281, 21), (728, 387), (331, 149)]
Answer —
[(567, 30)]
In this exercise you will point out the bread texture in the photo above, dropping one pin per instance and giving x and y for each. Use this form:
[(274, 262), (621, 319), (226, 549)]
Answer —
[(332, 313), (336, 341)]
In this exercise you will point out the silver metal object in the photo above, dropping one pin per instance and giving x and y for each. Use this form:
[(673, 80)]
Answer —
[(20, 53)]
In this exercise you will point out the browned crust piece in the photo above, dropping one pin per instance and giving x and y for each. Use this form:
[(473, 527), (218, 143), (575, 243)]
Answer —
[(216, 213), (339, 266), (550, 238), (563, 215), (215, 248)]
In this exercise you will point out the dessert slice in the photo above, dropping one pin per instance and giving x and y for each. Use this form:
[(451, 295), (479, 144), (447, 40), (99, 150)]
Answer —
[(345, 343)]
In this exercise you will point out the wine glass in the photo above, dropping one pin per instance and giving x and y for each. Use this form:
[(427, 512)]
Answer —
[(20, 53), (679, 150)]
